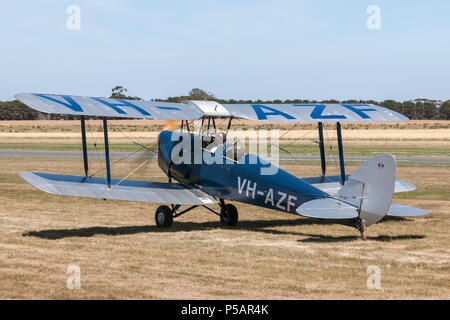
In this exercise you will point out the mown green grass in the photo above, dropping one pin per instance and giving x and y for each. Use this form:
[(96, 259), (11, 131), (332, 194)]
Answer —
[(425, 193), (367, 150), (296, 149), (68, 146)]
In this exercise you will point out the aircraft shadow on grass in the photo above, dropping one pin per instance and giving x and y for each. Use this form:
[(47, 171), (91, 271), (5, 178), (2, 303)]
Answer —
[(381, 238), (263, 226)]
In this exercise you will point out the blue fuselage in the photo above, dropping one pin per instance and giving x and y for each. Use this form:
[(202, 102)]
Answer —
[(250, 179)]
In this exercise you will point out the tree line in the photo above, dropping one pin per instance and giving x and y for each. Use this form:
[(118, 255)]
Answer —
[(422, 109)]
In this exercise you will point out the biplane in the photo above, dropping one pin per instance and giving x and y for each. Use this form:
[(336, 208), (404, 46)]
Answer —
[(359, 200)]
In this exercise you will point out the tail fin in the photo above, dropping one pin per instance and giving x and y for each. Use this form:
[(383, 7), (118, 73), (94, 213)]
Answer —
[(371, 188)]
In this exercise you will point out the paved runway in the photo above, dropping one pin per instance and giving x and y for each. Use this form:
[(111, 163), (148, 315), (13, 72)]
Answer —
[(142, 155)]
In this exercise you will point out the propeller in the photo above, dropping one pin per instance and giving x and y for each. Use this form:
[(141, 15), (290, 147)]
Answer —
[(169, 125)]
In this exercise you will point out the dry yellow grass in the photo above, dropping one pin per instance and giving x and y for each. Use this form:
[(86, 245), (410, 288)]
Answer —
[(350, 135), (39, 125), (270, 255)]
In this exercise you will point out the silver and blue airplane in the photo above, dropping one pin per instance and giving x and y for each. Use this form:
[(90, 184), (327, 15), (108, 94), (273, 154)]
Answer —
[(359, 200)]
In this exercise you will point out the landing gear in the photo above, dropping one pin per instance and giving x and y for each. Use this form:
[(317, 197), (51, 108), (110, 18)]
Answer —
[(228, 215), (164, 217), (360, 227)]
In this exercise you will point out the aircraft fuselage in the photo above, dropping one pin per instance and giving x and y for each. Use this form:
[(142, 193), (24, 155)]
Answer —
[(250, 180)]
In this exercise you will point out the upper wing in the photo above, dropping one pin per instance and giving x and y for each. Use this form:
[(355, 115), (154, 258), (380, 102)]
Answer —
[(314, 112), (141, 191), (190, 110), (103, 107)]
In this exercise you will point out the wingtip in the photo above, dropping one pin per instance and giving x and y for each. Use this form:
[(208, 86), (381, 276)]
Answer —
[(398, 210), (24, 175), (18, 95)]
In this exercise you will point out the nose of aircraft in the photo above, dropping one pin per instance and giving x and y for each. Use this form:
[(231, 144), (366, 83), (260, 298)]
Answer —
[(170, 125)]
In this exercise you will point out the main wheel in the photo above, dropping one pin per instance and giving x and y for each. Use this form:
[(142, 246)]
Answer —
[(228, 215), (163, 217)]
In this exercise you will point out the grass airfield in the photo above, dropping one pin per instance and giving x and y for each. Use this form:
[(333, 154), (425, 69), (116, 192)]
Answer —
[(268, 255)]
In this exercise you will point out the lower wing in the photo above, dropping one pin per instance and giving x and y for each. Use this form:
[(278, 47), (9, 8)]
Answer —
[(141, 191)]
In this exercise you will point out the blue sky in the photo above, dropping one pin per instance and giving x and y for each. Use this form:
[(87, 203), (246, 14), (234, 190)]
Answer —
[(234, 49)]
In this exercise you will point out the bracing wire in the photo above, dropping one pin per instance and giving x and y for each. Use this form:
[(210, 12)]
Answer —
[(290, 143), (116, 161), (331, 149), (95, 147), (124, 178)]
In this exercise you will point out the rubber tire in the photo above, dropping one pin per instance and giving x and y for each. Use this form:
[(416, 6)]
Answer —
[(229, 215), (164, 217)]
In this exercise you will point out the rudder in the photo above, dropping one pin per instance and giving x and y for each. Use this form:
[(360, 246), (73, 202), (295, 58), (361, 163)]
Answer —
[(371, 188)]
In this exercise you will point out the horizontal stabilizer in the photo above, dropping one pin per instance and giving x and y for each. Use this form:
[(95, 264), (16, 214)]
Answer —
[(327, 209), (403, 186), (140, 191), (332, 184), (398, 210)]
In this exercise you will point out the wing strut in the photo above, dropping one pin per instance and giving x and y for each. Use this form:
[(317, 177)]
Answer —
[(229, 125), (341, 152), (83, 138), (108, 168), (322, 152)]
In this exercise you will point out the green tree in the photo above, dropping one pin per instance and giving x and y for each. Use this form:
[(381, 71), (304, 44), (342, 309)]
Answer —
[(430, 111), (331, 101), (408, 109), (392, 105), (418, 110), (199, 94), (16, 110), (119, 92), (444, 110)]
